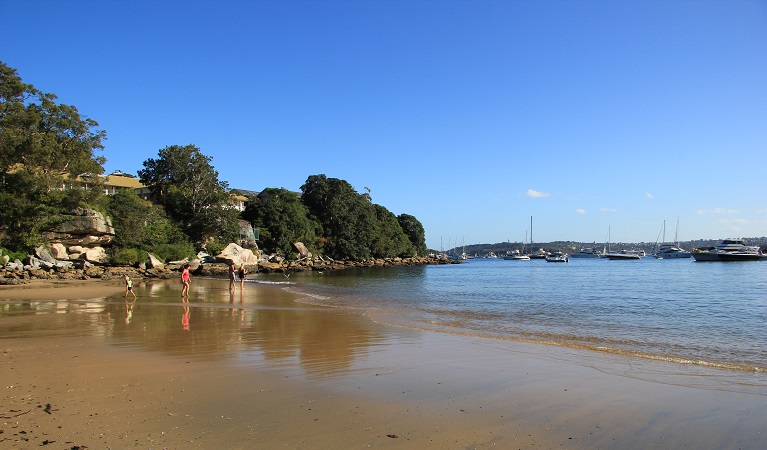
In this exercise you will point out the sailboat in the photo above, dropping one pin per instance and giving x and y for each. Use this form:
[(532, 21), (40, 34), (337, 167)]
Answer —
[(670, 250), (517, 256), (623, 254)]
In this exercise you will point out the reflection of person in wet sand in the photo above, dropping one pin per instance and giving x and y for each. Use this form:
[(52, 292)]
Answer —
[(185, 280), (129, 287), (185, 317), (129, 309)]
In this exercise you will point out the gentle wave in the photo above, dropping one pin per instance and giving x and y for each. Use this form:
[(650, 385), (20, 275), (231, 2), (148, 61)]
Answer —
[(633, 311)]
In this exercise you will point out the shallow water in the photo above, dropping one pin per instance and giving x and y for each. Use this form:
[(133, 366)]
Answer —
[(673, 321), (706, 314)]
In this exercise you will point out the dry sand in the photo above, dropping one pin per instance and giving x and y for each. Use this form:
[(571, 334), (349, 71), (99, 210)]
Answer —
[(408, 390)]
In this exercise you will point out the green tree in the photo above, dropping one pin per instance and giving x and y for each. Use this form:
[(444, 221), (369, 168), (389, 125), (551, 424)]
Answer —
[(347, 218), (389, 239), (140, 224), (413, 229), (282, 220), (183, 180), (44, 147)]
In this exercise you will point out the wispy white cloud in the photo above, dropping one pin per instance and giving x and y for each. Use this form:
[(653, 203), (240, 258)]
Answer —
[(608, 209), (733, 221), (717, 211), (536, 194), (648, 195), (580, 211)]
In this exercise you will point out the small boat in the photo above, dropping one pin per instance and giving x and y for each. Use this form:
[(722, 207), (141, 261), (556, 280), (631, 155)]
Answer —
[(557, 257), (586, 252), (516, 256), (538, 254), (625, 254), (669, 250)]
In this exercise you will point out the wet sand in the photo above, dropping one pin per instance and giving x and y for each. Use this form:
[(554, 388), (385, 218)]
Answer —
[(257, 369)]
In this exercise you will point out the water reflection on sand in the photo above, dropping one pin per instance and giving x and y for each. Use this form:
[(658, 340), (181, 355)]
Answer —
[(258, 325)]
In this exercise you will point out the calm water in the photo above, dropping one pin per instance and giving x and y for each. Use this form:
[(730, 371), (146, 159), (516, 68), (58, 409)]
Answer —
[(706, 314)]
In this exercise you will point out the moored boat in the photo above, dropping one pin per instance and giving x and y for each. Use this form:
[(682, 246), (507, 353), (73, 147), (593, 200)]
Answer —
[(670, 251), (586, 252), (557, 257), (625, 254), (746, 253), (516, 256), (714, 253)]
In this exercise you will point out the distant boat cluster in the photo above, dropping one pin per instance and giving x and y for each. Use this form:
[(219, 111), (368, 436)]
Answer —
[(726, 250)]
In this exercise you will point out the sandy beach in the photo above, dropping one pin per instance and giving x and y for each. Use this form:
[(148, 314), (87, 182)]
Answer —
[(256, 369)]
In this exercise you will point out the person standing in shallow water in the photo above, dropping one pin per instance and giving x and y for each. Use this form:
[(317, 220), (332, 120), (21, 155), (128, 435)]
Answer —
[(185, 280), (232, 273), (241, 273), (129, 287)]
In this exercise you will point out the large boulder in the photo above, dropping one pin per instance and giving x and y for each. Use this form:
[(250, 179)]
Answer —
[(84, 227), (43, 255), (154, 262), (96, 254), (302, 250), (233, 253), (59, 251)]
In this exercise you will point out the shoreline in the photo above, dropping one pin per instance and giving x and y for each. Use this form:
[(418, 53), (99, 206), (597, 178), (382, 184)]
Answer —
[(413, 389)]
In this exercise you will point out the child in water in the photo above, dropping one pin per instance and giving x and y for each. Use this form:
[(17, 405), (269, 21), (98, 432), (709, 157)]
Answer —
[(129, 287)]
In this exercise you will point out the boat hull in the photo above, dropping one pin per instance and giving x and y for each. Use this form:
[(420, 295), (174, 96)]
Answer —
[(742, 257), (622, 257), (706, 256)]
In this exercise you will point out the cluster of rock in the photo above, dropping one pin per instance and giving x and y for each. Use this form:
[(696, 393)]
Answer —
[(322, 264), (44, 265), (82, 235)]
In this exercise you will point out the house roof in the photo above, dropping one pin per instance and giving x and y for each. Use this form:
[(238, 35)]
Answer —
[(123, 181)]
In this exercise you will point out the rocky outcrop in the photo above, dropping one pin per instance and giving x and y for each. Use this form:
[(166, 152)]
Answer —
[(321, 264), (154, 262), (80, 236), (83, 227), (233, 253)]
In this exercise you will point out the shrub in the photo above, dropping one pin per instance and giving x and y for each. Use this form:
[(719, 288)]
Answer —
[(174, 252), (12, 255), (127, 256)]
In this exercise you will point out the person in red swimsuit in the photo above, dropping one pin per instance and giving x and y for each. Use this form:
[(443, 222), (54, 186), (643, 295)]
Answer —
[(185, 280)]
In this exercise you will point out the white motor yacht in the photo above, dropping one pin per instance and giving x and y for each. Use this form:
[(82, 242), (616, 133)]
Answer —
[(586, 252), (670, 251), (713, 253)]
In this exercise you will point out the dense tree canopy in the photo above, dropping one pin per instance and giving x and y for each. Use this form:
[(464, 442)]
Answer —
[(282, 220), (44, 146), (355, 228), (413, 229), (186, 184), (48, 164)]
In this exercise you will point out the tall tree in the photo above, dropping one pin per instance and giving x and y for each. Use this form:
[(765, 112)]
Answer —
[(347, 218), (44, 146), (282, 220), (413, 229), (183, 180), (389, 239)]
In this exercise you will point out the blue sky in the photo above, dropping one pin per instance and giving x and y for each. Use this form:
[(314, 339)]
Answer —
[(471, 116)]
